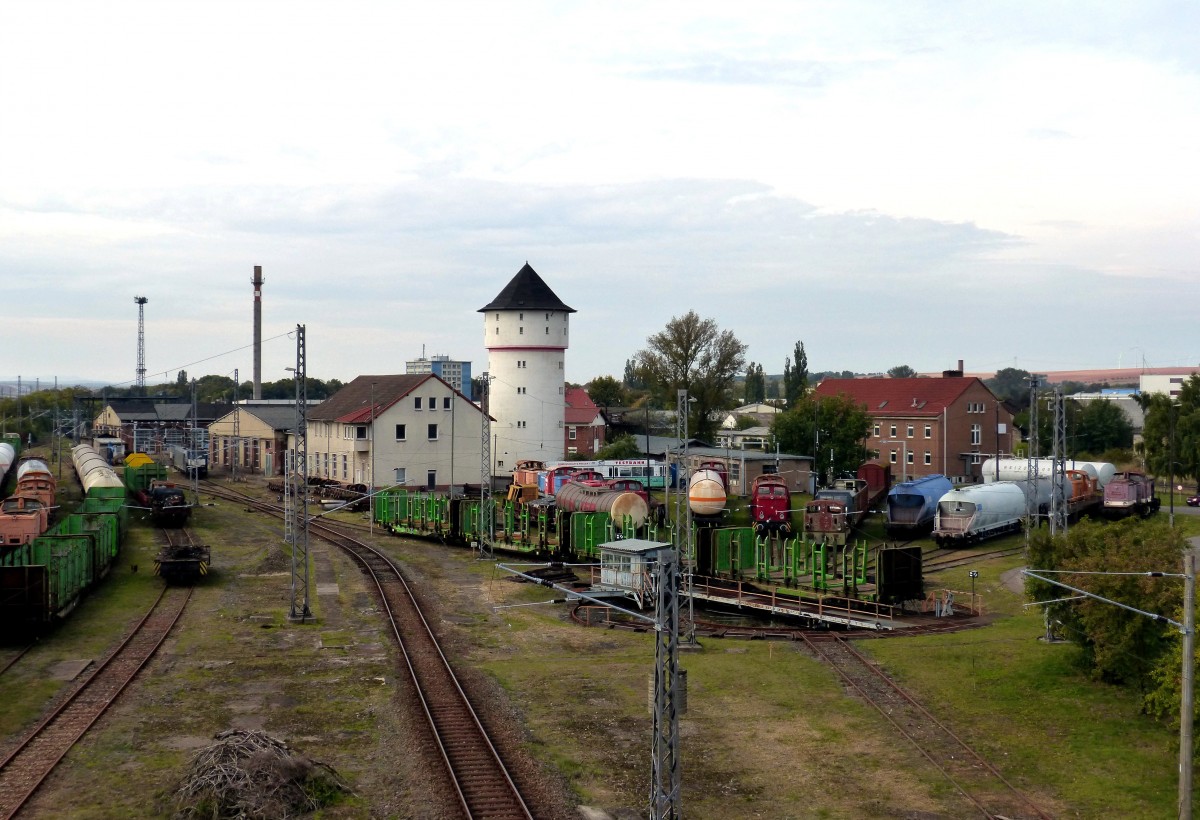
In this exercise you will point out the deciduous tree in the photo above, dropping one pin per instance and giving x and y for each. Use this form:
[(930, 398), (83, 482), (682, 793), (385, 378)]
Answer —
[(693, 354), (831, 428)]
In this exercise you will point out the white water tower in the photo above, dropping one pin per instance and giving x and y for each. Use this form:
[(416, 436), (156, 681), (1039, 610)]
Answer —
[(526, 334)]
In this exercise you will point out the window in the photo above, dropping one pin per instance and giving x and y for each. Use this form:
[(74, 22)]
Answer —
[(928, 457), (522, 331), (416, 402), (360, 432), (571, 433), (911, 456), (433, 432), (345, 467), (547, 331), (432, 403), (431, 479), (928, 431), (892, 457), (520, 425), (400, 431), (572, 450), (521, 316), (893, 433), (976, 434), (445, 402), (400, 476), (875, 432), (520, 391), (910, 431)]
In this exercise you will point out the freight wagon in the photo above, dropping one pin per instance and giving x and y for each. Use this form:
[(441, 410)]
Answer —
[(978, 512), (44, 579), (912, 505)]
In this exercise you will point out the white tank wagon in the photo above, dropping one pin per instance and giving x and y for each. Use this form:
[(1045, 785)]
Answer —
[(7, 456), (706, 493), (621, 506), (92, 469), (980, 511), (1017, 469)]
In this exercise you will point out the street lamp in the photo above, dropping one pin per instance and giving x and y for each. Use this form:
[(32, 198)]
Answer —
[(904, 444)]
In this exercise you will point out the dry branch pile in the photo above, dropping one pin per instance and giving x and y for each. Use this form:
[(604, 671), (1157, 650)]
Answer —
[(251, 774)]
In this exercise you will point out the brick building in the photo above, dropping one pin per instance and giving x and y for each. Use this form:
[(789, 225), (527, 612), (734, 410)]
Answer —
[(922, 426), (584, 424)]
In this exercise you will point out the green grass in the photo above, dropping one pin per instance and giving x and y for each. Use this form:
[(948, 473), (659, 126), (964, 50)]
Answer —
[(1027, 706)]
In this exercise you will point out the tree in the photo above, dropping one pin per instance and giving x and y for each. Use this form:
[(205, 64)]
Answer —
[(831, 428), (1011, 385), (634, 380), (902, 371), (1101, 426), (1172, 431), (606, 391), (1119, 646), (795, 378), (693, 354), (756, 384), (623, 447)]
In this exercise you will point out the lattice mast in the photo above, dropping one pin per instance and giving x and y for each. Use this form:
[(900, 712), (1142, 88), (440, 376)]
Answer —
[(1031, 462), (140, 381), (1059, 495), (236, 455), (487, 504), (297, 485), (666, 776), (684, 523)]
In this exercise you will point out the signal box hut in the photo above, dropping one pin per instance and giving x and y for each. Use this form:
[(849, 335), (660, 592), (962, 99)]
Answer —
[(627, 567)]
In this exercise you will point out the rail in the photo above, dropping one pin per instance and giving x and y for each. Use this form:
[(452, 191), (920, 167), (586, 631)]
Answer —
[(481, 781), (41, 749), (976, 779)]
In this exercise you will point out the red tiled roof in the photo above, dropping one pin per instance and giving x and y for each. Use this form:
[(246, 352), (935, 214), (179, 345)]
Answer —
[(899, 397), (580, 407), (352, 404)]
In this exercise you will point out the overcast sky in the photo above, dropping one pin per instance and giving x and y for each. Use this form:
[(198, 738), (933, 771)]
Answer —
[(1012, 184)]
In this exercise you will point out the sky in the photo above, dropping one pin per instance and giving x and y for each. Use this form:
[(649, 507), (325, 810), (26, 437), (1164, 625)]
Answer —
[(1012, 184)]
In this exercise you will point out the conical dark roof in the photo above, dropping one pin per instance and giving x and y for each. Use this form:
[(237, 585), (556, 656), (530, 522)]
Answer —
[(526, 291)]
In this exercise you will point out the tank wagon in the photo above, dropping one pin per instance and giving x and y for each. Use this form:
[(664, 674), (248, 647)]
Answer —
[(1017, 469), (621, 506), (8, 455), (42, 580), (92, 470), (912, 505), (980, 511), (1129, 493), (706, 496), (770, 505)]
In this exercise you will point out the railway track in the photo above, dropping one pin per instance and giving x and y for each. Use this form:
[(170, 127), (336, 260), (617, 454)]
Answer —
[(40, 750), (958, 558), (976, 780), (16, 656), (480, 780)]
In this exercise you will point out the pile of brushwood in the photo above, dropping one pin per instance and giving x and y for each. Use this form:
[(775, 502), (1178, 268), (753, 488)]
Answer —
[(251, 774)]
